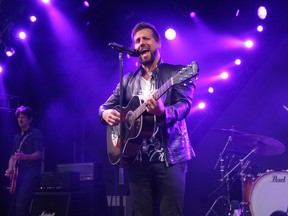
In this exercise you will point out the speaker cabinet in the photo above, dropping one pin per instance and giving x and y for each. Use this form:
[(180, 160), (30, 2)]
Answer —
[(96, 198), (5, 199), (59, 203)]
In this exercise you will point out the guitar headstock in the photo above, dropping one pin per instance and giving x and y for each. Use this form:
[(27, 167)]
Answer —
[(186, 73)]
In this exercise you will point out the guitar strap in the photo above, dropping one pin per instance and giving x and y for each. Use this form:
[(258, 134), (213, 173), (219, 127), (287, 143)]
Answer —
[(22, 141)]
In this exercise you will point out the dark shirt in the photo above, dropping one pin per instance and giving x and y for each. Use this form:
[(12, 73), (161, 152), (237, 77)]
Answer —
[(32, 143)]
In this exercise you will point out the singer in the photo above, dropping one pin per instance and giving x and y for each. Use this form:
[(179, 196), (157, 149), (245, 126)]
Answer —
[(157, 175)]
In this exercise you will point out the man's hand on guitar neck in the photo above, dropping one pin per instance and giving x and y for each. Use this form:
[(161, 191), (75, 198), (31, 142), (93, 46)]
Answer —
[(111, 116), (155, 107), (19, 156)]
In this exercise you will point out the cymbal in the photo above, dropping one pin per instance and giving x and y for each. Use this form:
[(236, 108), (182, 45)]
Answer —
[(261, 144), (230, 130)]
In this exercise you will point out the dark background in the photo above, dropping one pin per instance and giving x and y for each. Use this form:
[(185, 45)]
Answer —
[(65, 71)]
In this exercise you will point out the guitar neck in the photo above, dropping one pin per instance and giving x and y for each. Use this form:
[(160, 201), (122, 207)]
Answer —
[(159, 92)]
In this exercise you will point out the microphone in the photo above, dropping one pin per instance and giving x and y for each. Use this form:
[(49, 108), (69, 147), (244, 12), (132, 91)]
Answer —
[(121, 48)]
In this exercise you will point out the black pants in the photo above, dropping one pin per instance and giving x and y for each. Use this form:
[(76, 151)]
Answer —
[(157, 189), (25, 190)]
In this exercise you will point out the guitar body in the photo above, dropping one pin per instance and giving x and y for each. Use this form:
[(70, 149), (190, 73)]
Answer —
[(16, 167), (14, 178), (134, 130)]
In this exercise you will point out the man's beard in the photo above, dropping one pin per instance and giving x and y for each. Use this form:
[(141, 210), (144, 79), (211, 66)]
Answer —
[(149, 61)]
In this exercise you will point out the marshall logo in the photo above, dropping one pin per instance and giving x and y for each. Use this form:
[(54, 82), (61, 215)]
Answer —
[(47, 214), (278, 180)]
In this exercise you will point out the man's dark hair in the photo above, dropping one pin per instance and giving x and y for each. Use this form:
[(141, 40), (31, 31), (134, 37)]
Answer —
[(143, 25), (24, 110)]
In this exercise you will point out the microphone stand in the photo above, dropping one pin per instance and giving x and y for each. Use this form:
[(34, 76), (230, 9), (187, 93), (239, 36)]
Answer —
[(135, 53), (121, 169)]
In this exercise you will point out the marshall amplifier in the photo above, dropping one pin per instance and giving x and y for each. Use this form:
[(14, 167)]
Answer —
[(55, 181), (88, 171)]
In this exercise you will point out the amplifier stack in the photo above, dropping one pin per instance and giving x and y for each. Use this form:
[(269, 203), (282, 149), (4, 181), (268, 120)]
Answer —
[(74, 189)]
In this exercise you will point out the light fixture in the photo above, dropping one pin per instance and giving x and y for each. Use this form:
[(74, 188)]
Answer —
[(10, 52)]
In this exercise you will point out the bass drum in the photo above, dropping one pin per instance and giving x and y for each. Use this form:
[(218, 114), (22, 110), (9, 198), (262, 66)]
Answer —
[(269, 194)]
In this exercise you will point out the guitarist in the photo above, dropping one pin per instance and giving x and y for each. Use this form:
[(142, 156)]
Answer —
[(24, 167), (157, 176)]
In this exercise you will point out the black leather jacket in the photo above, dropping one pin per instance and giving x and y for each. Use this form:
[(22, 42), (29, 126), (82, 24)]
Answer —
[(177, 101)]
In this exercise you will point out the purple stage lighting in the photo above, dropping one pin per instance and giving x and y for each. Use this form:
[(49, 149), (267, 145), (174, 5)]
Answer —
[(10, 52), (211, 90), (237, 12), (22, 35), (260, 28), (192, 14), (1, 69), (224, 75), (33, 18), (86, 4), (248, 43), (201, 105), (262, 12), (170, 34), (45, 1), (237, 61)]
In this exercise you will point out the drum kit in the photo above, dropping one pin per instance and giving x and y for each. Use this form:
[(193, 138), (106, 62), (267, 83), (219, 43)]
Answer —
[(261, 195)]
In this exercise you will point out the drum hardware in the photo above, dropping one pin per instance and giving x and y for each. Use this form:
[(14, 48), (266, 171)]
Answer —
[(215, 202), (243, 164), (225, 182), (247, 144)]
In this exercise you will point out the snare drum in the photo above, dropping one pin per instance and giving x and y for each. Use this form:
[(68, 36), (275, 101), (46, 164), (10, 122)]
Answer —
[(269, 194)]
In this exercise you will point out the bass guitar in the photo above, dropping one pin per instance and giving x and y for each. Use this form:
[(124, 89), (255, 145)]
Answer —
[(14, 175), (137, 126)]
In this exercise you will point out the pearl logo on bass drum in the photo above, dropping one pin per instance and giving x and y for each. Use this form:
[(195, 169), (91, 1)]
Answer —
[(277, 179)]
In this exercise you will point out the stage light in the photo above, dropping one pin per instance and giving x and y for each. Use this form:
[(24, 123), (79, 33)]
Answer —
[(211, 90), (86, 4), (237, 61), (224, 75), (22, 35), (10, 52), (192, 14), (237, 12), (260, 28), (248, 43), (1, 69), (33, 18), (170, 34), (201, 105), (262, 12), (46, 1)]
